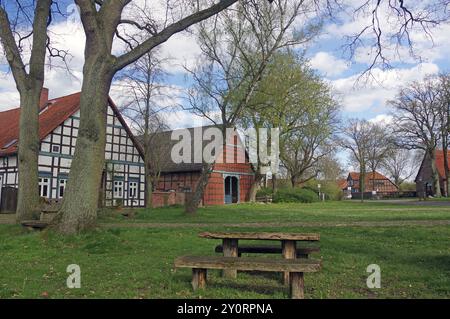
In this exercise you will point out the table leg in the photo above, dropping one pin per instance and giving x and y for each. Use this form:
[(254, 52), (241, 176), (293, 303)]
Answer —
[(198, 278), (297, 285), (230, 249), (289, 250)]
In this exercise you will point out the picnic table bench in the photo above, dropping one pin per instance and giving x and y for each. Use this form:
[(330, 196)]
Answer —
[(34, 224), (301, 252), (288, 249), (295, 267)]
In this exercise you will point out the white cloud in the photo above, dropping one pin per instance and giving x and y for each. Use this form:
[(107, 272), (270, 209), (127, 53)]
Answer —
[(328, 64), (382, 118), (373, 96)]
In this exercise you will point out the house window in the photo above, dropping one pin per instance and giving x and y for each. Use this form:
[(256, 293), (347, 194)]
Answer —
[(55, 148), (132, 189), (61, 187), (44, 186), (118, 189)]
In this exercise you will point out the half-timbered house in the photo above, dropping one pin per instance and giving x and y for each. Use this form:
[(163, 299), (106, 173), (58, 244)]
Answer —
[(123, 178), (373, 183)]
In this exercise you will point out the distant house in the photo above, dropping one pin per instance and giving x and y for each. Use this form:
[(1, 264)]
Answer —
[(229, 182), (374, 182), (123, 178), (424, 180)]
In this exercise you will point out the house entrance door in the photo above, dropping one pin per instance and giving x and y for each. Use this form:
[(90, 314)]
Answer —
[(231, 185)]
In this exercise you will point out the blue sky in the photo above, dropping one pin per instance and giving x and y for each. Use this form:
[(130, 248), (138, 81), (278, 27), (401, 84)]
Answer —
[(365, 100)]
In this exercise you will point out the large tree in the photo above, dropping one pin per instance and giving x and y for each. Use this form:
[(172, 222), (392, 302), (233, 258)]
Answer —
[(20, 22), (236, 50), (381, 145), (417, 121), (355, 136), (295, 100), (400, 164), (102, 22)]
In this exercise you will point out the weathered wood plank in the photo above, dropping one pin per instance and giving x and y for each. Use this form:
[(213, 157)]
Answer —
[(199, 278), (230, 249), (35, 224), (260, 236), (265, 249), (297, 285), (289, 252), (248, 263)]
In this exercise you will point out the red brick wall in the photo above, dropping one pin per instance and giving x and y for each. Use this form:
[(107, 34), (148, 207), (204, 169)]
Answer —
[(160, 199), (214, 193)]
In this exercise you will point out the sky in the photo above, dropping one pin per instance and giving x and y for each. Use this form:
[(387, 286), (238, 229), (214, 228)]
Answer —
[(326, 53)]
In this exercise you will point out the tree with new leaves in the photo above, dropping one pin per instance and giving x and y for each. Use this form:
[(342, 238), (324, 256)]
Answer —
[(236, 49), (417, 121), (23, 34), (294, 99)]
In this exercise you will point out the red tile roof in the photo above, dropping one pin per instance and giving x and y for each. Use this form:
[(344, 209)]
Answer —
[(59, 110), (355, 176), (342, 183), (440, 161)]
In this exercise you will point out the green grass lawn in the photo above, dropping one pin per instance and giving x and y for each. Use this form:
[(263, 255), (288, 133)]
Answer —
[(343, 211), (138, 262)]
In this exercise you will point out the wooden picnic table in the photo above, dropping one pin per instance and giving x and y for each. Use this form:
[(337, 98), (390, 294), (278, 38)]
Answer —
[(230, 242)]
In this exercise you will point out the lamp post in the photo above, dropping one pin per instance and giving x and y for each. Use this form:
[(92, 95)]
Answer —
[(318, 186)]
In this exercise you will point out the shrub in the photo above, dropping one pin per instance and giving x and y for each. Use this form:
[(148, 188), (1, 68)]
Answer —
[(330, 188), (295, 195), (264, 191)]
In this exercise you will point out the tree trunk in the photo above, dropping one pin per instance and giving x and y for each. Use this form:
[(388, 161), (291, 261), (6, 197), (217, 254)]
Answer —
[(434, 174), (256, 185), (193, 202), (362, 176), (293, 181), (446, 168), (274, 183), (148, 189), (79, 207), (28, 197), (148, 166)]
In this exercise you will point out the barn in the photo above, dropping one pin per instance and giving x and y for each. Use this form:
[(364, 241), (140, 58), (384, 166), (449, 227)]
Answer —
[(230, 180), (123, 180)]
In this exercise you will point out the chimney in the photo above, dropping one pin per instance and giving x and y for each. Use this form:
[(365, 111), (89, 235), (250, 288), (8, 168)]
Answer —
[(44, 97)]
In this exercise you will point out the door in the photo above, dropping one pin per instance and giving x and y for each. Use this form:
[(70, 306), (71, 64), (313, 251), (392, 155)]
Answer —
[(231, 185)]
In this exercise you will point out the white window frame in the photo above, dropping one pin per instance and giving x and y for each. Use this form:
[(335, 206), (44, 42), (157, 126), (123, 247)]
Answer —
[(133, 188), (62, 182), (118, 189), (44, 181)]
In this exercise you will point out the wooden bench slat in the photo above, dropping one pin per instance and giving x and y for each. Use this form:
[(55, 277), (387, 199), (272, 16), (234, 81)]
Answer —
[(248, 263), (268, 249), (260, 236), (34, 224)]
